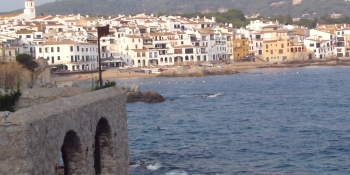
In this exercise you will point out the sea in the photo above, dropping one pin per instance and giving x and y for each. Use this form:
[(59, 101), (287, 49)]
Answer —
[(261, 121)]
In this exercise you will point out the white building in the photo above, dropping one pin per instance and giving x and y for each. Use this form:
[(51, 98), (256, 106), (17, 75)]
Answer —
[(72, 55)]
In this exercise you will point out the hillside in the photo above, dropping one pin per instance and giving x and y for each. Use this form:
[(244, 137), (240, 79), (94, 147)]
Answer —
[(249, 7)]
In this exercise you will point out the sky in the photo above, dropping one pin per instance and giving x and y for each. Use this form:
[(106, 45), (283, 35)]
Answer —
[(9, 5)]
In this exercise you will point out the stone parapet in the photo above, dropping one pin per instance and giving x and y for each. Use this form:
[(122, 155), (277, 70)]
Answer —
[(89, 129)]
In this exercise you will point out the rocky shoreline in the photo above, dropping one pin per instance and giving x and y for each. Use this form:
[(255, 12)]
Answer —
[(195, 71), (134, 94)]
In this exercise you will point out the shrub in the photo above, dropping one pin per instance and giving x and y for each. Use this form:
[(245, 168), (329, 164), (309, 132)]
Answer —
[(7, 101), (106, 85), (26, 61)]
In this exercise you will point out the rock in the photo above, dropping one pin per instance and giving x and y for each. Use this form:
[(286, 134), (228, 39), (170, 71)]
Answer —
[(184, 71), (134, 94), (75, 85), (152, 96)]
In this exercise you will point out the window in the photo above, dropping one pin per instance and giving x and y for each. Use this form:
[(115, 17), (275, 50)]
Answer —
[(132, 40), (71, 48), (52, 49), (58, 57), (86, 49), (28, 36), (282, 45), (312, 45), (155, 54), (271, 51), (150, 55), (77, 48), (40, 50), (280, 51), (58, 49), (47, 58), (267, 46), (71, 58)]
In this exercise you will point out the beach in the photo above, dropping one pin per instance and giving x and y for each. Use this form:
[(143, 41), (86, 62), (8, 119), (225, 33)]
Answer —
[(116, 73)]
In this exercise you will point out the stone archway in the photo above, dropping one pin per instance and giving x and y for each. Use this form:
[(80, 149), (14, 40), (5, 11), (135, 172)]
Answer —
[(103, 152), (72, 154)]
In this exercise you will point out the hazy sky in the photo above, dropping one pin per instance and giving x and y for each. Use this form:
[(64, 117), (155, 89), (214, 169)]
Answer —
[(9, 5)]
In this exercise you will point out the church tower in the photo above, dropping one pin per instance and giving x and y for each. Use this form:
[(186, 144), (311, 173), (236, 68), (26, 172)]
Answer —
[(29, 9)]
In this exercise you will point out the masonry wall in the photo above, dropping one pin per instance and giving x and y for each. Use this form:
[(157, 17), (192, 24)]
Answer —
[(31, 139)]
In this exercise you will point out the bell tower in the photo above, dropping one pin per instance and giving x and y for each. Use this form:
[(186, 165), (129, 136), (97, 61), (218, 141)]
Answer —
[(29, 9)]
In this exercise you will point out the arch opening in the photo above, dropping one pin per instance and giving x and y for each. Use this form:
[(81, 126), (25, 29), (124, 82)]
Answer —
[(72, 154), (103, 152)]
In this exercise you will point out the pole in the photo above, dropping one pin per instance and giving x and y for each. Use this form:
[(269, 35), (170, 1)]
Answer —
[(101, 31), (99, 61)]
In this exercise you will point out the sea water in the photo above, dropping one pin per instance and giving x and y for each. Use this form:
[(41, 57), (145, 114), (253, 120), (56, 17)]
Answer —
[(264, 121)]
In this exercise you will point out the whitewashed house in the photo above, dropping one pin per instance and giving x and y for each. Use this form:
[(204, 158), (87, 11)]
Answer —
[(73, 56)]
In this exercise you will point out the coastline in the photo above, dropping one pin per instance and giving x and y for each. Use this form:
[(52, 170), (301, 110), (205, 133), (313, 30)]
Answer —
[(115, 73)]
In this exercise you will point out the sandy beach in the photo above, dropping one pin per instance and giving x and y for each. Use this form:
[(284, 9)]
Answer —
[(116, 73)]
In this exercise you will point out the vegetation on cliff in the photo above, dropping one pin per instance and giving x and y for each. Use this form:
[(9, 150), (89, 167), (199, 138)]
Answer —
[(8, 99), (26, 61)]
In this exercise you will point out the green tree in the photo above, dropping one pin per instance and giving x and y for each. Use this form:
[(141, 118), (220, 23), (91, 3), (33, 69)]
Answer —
[(26, 61)]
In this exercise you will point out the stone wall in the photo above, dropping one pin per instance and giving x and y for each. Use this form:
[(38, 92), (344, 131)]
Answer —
[(89, 129), (31, 97)]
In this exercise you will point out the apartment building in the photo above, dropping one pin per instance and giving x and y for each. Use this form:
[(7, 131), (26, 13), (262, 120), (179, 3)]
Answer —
[(73, 56)]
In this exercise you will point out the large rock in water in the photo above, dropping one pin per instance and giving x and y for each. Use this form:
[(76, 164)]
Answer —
[(152, 96), (134, 94)]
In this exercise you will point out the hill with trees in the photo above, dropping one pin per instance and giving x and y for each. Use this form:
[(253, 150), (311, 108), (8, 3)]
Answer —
[(267, 8)]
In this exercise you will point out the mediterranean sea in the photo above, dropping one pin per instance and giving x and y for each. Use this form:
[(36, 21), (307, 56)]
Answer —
[(263, 121)]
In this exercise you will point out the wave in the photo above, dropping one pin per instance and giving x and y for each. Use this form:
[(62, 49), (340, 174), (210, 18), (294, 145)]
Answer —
[(204, 95), (215, 95), (176, 172), (154, 166), (147, 164)]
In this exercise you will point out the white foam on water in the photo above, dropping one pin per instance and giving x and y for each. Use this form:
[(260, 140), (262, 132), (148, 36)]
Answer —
[(134, 166), (176, 172), (215, 95), (154, 166)]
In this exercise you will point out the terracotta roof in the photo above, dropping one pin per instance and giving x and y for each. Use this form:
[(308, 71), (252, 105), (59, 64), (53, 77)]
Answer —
[(10, 15), (139, 50), (270, 26), (206, 31), (142, 27), (24, 32), (133, 36), (270, 41)]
